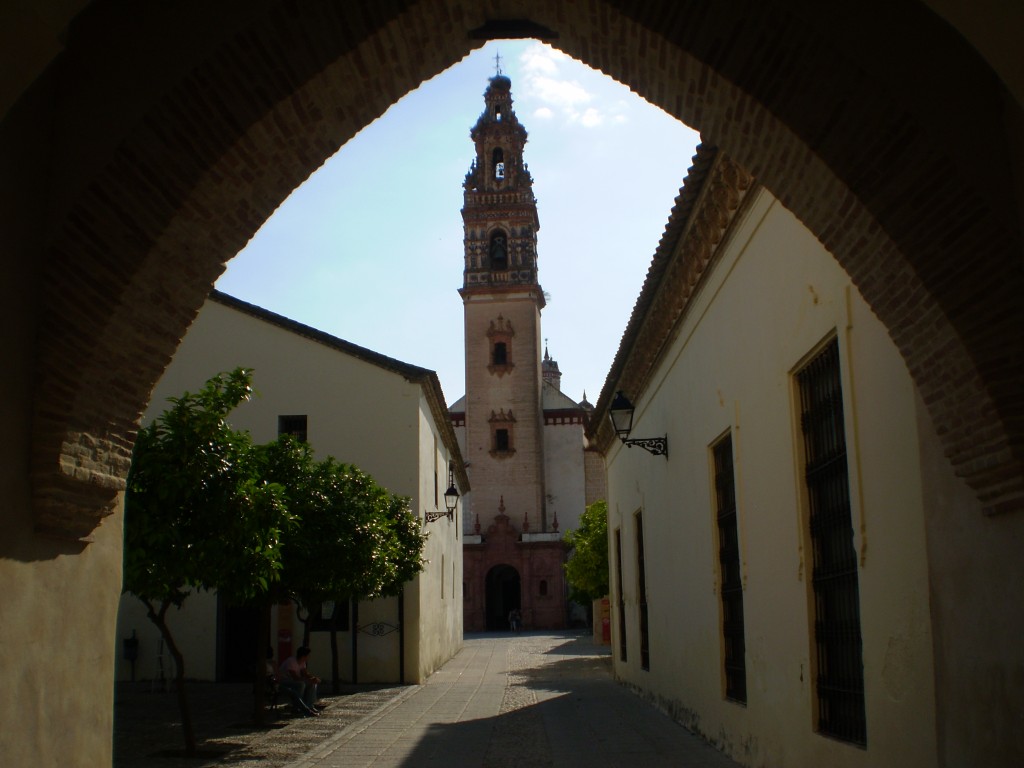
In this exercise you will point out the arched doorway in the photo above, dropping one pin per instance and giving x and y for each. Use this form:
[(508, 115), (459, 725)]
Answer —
[(502, 587)]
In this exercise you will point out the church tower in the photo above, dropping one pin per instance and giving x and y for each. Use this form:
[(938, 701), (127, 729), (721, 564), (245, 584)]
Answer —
[(502, 301), (530, 468)]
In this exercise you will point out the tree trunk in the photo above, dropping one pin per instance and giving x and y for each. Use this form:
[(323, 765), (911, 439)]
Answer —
[(261, 644), (335, 676), (160, 619)]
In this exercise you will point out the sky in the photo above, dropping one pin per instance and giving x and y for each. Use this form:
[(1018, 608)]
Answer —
[(370, 247)]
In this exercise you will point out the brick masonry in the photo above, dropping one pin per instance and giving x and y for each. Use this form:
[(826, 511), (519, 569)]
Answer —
[(165, 158)]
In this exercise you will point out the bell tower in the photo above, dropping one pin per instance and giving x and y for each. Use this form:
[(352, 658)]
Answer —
[(502, 302)]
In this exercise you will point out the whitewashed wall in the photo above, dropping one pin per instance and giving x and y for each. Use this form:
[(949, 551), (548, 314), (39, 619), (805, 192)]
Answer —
[(770, 300)]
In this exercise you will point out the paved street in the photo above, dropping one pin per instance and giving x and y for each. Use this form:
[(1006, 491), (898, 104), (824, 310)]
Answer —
[(529, 701)]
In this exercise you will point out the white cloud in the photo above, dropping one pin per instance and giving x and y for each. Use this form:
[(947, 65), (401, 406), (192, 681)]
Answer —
[(591, 118), (539, 58), (560, 93), (551, 94)]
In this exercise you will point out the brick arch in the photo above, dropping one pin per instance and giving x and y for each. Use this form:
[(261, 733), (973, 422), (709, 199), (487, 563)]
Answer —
[(187, 150)]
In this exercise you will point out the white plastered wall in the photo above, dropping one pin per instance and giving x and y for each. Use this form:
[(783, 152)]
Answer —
[(773, 296), (357, 412)]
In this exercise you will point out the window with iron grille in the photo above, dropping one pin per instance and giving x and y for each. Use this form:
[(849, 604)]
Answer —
[(641, 594), (502, 436), (292, 425), (332, 614), (734, 645), (621, 599), (837, 631)]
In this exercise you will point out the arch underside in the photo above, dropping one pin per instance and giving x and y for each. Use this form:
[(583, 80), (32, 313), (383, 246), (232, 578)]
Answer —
[(179, 153)]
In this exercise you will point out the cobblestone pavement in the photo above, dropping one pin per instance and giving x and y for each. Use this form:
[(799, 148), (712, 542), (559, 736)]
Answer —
[(147, 725), (530, 700)]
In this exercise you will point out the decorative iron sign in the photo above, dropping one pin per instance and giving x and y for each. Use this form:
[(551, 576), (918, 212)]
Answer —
[(378, 629)]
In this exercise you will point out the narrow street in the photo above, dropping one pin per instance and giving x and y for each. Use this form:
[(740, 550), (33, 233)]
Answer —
[(525, 701)]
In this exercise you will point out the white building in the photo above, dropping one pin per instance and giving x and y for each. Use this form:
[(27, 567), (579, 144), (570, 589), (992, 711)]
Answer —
[(386, 417), (770, 577)]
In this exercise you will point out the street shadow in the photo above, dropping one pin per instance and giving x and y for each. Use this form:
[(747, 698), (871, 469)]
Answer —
[(575, 728), (148, 733)]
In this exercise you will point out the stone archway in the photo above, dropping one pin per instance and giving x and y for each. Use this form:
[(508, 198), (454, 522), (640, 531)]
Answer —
[(142, 144), (182, 154)]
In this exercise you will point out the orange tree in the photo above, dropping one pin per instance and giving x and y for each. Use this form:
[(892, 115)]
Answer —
[(355, 540), (587, 567), (198, 514)]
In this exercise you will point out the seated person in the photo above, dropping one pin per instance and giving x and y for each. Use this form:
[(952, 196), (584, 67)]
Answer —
[(294, 678)]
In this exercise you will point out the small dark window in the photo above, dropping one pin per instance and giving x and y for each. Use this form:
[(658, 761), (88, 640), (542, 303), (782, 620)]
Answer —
[(543, 588), (498, 158), (330, 615), (500, 353), (501, 440), (292, 425)]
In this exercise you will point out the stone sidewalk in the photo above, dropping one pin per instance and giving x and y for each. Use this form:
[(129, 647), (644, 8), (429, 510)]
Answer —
[(147, 726), (530, 700)]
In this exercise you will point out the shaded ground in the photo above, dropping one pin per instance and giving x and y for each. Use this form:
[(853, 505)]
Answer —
[(147, 728)]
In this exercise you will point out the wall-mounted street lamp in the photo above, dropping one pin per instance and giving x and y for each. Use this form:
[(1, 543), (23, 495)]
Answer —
[(621, 413), (451, 500)]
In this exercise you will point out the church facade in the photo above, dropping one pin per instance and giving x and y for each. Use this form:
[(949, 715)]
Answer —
[(523, 439)]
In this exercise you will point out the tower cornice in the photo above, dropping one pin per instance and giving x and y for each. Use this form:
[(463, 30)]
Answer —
[(503, 292)]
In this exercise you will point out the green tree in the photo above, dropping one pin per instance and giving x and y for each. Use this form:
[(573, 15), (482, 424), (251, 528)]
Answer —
[(587, 568), (197, 513), (355, 540)]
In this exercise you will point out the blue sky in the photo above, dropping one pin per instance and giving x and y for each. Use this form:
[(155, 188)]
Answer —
[(369, 248)]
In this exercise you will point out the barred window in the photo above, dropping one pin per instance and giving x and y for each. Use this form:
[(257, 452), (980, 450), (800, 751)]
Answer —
[(501, 440), (837, 630), (621, 600), (502, 425), (292, 425), (641, 596), (734, 645)]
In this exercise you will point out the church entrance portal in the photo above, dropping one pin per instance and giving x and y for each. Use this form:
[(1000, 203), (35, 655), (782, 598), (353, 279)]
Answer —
[(502, 595)]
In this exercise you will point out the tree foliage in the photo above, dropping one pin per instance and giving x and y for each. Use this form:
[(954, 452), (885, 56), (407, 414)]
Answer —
[(355, 538), (208, 509), (197, 513), (587, 568)]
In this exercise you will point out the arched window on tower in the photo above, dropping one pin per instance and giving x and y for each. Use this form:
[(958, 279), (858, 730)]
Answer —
[(499, 250), (498, 160)]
